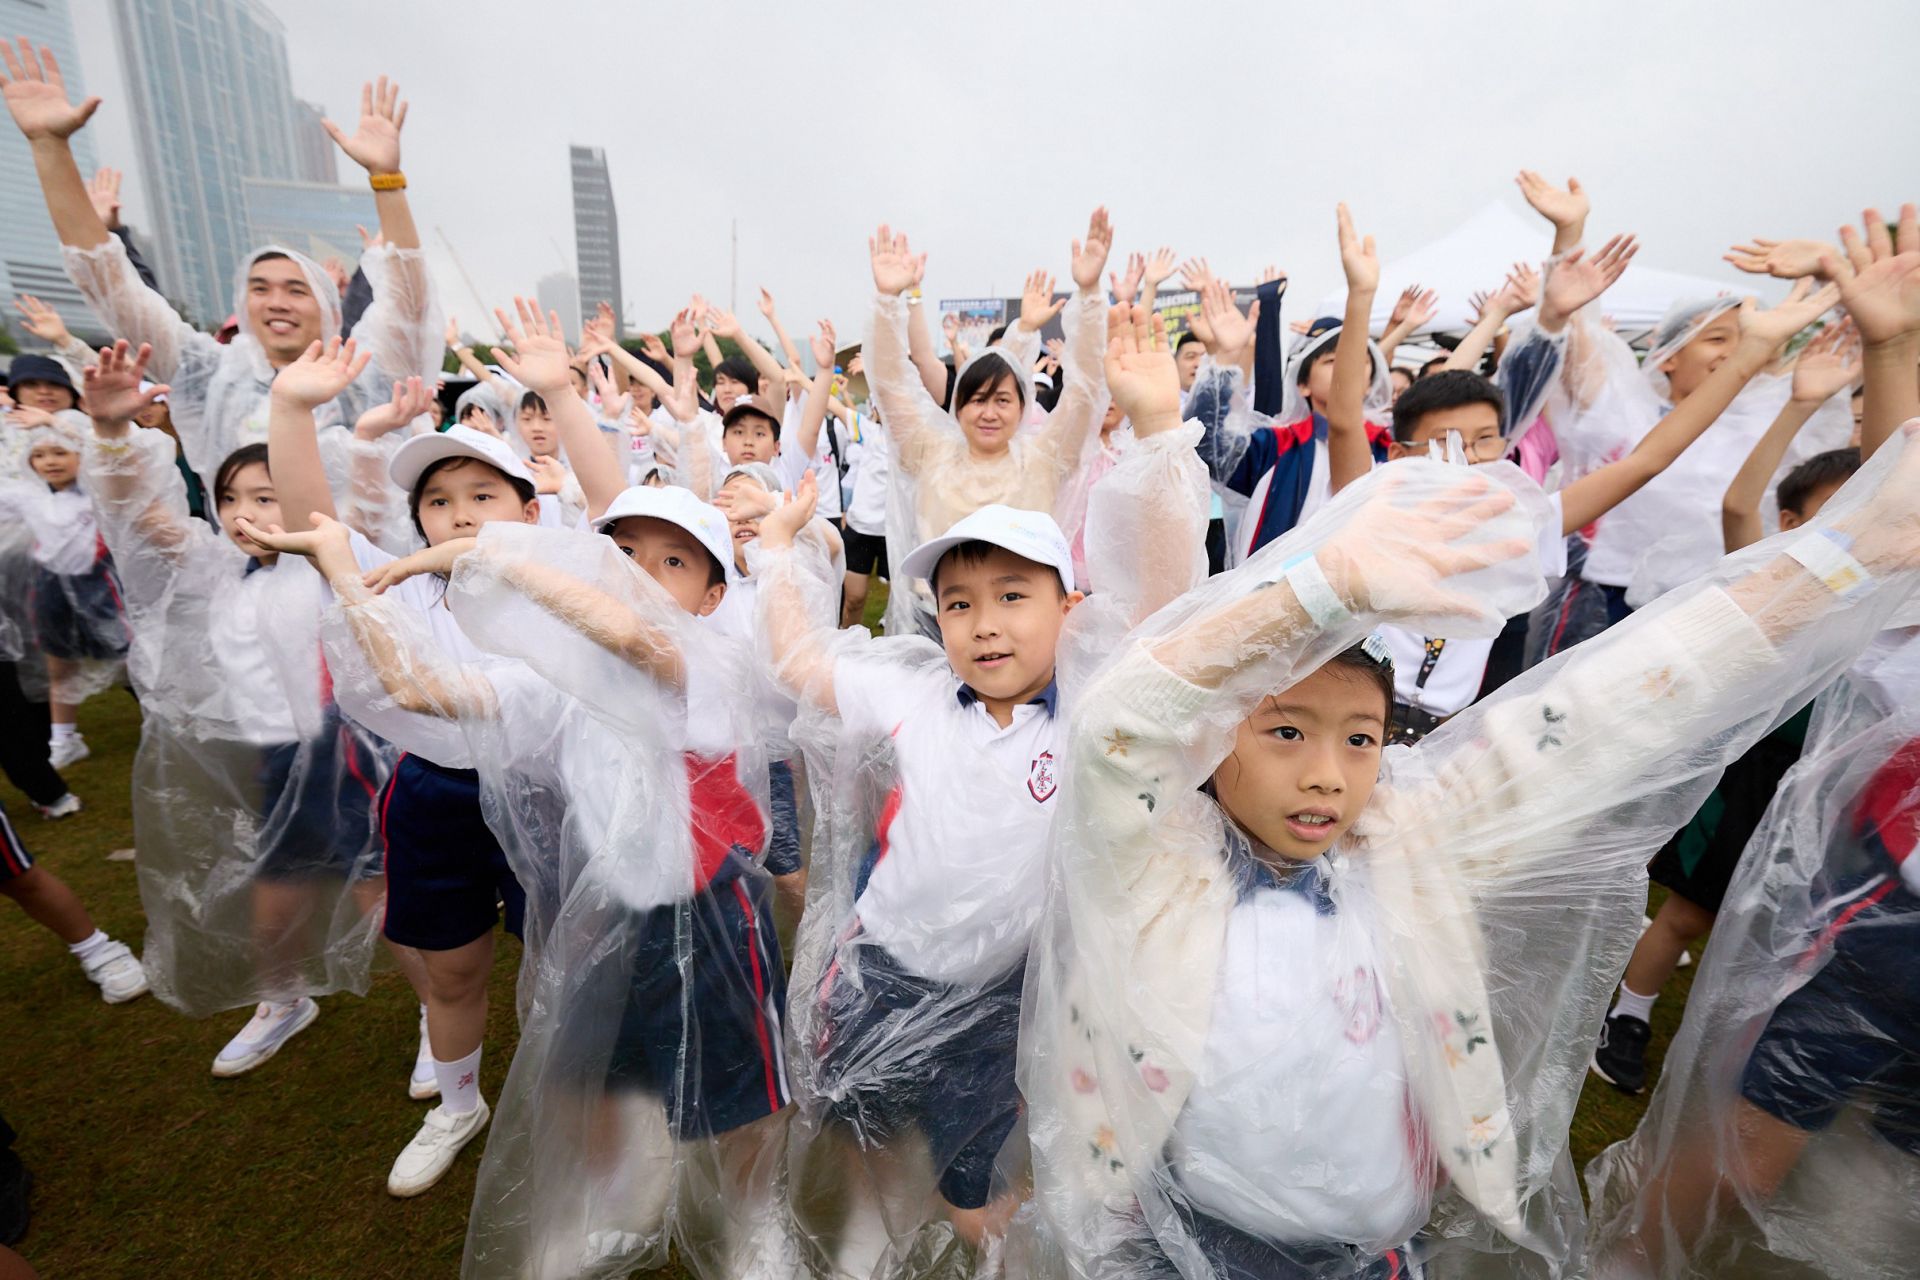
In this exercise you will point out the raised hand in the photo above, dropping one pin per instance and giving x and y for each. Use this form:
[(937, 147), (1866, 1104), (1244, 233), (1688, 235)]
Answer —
[(1577, 279), (604, 321), (1194, 274), (1767, 331), (1090, 255), (1127, 287), (104, 192), (1567, 207), (1158, 267), (1828, 365), (779, 527), (1520, 291), (685, 335), (766, 303), (723, 324), (453, 333), (1037, 304), (36, 93), (950, 326), (1270, 273), (325, 531), (411, 398), (1141, 375), (42, 321), (112, 385), (321, 373), (1403, 305), (746, 503), (824, 345), (895, 268), (1393, 558), (1358, 257), (1230, 331), (549, 474), (1879, 276), (1781, 259), (656, 350), (375, 144), (539, 360)]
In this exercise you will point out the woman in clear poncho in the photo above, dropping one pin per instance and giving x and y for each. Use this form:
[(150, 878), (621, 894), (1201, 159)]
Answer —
[(1222, 1032), (252, 798), (1784, 1137), (1603, 404), (947, 465)]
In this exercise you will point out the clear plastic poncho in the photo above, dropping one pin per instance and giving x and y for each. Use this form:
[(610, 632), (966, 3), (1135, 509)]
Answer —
[(897, 1044), (1783, 1138), (643, 1102), (933, 480), (218, 393), (253, 799), (1454, 953)]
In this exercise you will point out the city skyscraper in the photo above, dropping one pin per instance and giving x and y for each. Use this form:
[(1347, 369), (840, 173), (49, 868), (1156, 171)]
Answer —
[(560, 293), (596, 234), (29, 251), (315, 158), (210, 96)]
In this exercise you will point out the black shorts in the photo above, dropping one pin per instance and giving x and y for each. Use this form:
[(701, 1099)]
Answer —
[(316, 803), (707, 1042), (1698, 861), (446, 874), (886, 1065), (1852, 1033), (77, 616), (15, 861), (1240, 1255), (783, 836), (866, 552)]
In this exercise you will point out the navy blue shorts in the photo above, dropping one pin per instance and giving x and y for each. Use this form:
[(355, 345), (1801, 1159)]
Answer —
[(446, 874), (15, 861), (783, 841), (1240, 1255), (887, 1070), (1852, 1033), (726, 1008), (77, 616), (317, 807)]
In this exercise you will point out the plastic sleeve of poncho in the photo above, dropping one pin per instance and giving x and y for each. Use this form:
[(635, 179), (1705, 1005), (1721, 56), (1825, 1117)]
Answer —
[(403, 326), (1220, 403), (916, 424), (1072, 426), (1525, 378), (1804, 1001), (1507, 852), (374, 504)]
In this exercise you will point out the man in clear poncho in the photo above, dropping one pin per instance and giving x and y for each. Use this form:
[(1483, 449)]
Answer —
[(285, 300)]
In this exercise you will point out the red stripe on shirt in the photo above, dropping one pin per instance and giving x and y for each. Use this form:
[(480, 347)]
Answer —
[(759, 997)]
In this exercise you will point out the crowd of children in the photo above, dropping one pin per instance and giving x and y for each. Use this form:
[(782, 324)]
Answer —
[(1229, 862)]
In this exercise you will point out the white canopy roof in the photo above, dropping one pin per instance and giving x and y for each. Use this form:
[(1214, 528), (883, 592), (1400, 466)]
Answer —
[(1477, 254)]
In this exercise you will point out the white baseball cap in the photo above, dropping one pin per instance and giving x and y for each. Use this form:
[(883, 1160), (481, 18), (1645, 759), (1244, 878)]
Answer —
[(421, 452), (676, 506), (1031, 535)]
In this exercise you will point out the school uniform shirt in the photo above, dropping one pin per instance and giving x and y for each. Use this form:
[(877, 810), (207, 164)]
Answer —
[(1441, 677), (867, 471), (66, 540), (960, 874), (791, 465), (260, 710)]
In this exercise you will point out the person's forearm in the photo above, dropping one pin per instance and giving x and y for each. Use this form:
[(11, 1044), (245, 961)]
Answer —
[(1391, 340), (113, 428), (471, 363), (1892, 394), (712, 348), (762, 359), (1567, 236), (600, 477), (1740, 522), (293, 458), (802, 657), (787, 346), (413, 686), (1474, 345), (1348, 456), (75, 220), (1211, 648), (396, 219), (1084, 377), (600, 618), (925, 355), (814, 415)]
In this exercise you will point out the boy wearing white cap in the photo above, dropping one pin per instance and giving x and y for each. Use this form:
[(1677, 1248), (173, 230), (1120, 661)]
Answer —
[(941, 882)]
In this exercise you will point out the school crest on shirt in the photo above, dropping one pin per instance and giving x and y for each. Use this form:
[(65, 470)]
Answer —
[(1040, 780)]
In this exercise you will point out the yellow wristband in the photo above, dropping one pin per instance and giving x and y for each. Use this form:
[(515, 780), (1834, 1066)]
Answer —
[(387, 181)]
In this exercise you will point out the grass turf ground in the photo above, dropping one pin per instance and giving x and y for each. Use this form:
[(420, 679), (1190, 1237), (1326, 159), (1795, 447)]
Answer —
[(145, 1165)]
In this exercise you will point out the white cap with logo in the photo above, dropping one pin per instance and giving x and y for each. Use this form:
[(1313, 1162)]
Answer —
[(1031, 535), (677, 506), (421, 452)]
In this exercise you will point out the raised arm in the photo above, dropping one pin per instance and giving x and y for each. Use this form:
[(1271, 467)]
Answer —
[(772, 314), (1413, 308), (1076, 414), (375, 504), (293, 446), (1348, 454), (724, 324), (915, 421), (1828, 365), (539, 362), (806, 438), (1519, 293), (1879, 279), (1154, 272), (795, 579), (1566, 208), (113, 395)]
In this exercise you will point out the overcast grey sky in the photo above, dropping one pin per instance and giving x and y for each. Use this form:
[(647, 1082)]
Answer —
[(989, 130)]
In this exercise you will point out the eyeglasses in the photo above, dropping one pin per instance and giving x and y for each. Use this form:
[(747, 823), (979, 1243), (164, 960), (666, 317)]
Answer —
[(1481, 449)]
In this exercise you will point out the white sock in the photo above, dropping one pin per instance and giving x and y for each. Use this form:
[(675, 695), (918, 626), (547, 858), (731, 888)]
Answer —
[(85, 949), (64, 731), (459, 1083), (1634, 1005)]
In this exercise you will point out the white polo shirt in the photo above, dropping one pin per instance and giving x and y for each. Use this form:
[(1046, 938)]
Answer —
[(961, 875), (791, 465), (1453, 681)]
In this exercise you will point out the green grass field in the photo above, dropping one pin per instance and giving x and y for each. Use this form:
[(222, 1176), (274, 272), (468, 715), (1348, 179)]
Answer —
[(147, 1166)]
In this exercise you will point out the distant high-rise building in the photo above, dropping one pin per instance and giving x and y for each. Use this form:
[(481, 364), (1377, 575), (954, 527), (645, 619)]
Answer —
[(560, 293), (29, 250), (315, 158), (318, 219), (208, 84), (596, 233)]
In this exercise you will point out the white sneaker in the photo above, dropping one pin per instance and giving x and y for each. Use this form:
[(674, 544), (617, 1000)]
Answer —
[(71, 749), (65, 807), (115, 971), (271, 1026), (424, 1084), (431, 1153)]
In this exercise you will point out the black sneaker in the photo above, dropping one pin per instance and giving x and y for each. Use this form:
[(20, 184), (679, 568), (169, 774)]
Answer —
[(1621, 1056)]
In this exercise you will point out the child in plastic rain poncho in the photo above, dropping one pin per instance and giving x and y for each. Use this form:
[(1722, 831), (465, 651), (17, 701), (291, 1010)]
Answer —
[(73, 598), (935, 774), (1784, 1138), (945, 465), (621, 748), (283, 300), (1300, 1019), (252, 798)]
